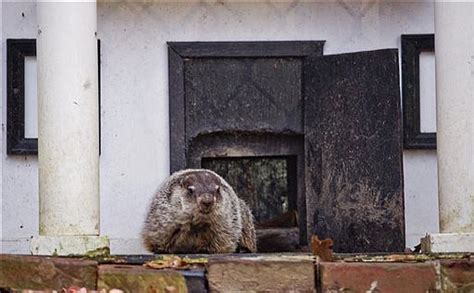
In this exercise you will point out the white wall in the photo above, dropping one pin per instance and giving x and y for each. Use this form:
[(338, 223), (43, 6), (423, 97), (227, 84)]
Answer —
[(1, 138), (20, 177), (135, 139)]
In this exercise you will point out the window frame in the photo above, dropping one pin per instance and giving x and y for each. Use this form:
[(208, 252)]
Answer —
[(17, 50), (412, 46)]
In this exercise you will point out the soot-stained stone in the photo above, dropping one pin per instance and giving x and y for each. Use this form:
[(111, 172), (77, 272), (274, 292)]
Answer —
[(234, 87), (353, 149), (244, 94)]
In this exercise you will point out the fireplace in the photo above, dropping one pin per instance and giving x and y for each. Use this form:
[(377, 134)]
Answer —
[(267, 171), (311, 142)]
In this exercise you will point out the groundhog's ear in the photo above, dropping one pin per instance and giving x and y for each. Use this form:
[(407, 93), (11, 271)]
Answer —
[(186, 181)]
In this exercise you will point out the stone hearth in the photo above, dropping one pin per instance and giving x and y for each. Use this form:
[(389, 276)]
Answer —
[(224, 273)]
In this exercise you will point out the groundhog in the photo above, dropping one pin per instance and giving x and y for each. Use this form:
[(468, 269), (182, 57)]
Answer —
[(197, 211)]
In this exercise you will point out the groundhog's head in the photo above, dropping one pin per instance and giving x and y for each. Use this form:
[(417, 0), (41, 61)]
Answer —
[(202, 191)]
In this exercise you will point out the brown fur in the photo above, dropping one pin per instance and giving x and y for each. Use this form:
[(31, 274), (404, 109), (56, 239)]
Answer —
[(196, 211)]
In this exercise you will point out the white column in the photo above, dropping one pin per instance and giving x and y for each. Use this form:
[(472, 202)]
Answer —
[(68, 129), (454, 50)]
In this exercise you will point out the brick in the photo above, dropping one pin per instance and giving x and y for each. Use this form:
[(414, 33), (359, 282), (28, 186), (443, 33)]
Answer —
[(262, 273), (457, 275), (132, 278), (46, 273), (377, 277)]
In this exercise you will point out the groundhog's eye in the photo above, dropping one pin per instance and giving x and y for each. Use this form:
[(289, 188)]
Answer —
[(191, 190), (218, 188)]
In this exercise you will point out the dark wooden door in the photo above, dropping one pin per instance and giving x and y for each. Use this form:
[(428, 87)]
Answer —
[(354, 183)]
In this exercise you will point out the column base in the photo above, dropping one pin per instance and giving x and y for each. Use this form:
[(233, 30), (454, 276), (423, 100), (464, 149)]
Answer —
[(448, 243), (70, 245)]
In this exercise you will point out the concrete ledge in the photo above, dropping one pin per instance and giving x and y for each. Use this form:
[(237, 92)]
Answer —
[(69, 245), (46, 273), (448, 243), (261, 273)]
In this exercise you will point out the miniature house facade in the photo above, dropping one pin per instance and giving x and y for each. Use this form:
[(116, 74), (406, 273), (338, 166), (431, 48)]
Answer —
[(337, 96)]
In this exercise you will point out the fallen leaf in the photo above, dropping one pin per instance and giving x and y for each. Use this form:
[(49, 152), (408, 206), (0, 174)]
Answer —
[(174, 262), (168, 262), (322, 248)]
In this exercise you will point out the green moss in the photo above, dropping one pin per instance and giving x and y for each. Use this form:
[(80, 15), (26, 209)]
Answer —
[(99, 253)]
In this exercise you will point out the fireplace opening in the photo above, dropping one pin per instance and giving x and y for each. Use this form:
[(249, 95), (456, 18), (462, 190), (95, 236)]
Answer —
[(268, 184), (251, 110)]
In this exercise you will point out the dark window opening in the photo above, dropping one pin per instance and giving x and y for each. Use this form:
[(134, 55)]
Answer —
[(269, 186)]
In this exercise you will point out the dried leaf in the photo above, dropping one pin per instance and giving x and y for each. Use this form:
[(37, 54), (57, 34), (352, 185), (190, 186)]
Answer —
[(175, 262), (322, 248)]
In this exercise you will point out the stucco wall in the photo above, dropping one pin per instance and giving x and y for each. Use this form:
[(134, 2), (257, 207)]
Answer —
[(134, 91), (1, 140), (20, 176)]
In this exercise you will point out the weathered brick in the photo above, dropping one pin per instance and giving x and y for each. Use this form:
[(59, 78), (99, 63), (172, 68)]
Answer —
[(377, 277), (46, 273), (457, 275), (130, 278), (262, 273)]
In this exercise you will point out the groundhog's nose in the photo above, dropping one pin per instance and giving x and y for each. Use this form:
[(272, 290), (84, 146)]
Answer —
[(206, 201)]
